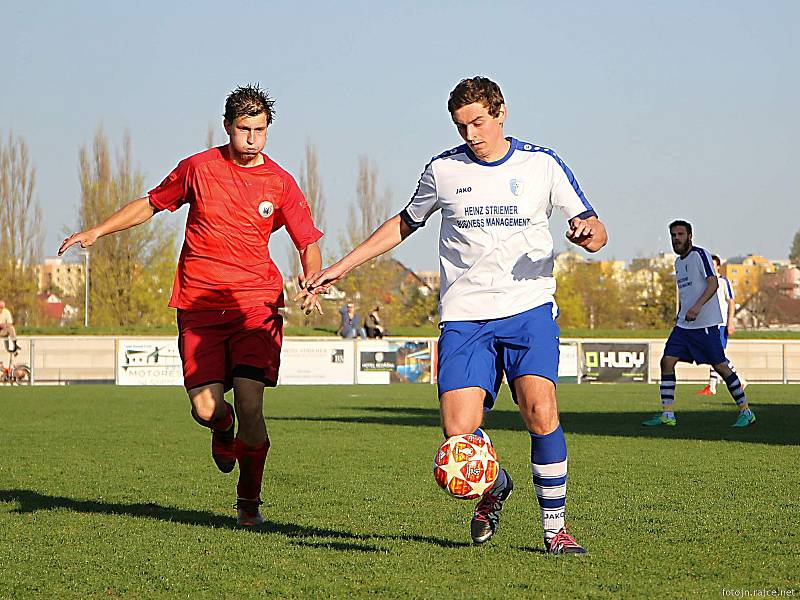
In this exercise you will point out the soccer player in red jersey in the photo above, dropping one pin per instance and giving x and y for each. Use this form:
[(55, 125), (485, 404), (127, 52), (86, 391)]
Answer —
[(227, 289)]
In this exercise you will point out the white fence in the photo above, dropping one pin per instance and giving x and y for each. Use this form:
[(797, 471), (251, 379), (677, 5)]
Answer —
[(60, 360)]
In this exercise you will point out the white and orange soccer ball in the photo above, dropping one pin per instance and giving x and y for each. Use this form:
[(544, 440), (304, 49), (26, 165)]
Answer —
[(466, 466)]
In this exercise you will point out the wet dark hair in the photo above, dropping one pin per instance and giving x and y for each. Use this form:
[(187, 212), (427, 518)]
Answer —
[(249, 101), (477, 89), (680, 223)]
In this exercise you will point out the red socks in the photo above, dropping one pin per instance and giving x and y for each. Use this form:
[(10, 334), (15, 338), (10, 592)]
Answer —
[(251, 468)]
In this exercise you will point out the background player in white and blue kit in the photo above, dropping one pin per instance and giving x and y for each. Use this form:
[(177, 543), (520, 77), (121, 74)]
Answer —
[(495, 194), (727, 307), (696, 336)]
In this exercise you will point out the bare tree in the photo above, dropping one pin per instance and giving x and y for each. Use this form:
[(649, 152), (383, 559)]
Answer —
[(312, 186), (376, 281), (20, 229), (312, 189), (212, 136), (131, 271), (370, 208)]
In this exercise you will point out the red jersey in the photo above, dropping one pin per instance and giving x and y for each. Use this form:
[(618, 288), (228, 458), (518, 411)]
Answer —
[(225, 261)]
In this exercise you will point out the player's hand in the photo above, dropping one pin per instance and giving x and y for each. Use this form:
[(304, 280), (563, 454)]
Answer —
[(321, 282), (692, 313), (582, 231), (84, 238), (310, 302), (731, 329)]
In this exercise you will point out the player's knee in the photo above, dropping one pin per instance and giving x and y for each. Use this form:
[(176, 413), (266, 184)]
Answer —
[(249, 414), (540, 419), (203, 415), (667, 364)]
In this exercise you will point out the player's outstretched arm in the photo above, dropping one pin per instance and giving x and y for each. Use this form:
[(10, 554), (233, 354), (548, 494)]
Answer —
[(133, 213), (383, 239), (590, 234), (311, 259)]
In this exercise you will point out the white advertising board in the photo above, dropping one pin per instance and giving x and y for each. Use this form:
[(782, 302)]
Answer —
[(316, 362), (568, 363), (149, 362)]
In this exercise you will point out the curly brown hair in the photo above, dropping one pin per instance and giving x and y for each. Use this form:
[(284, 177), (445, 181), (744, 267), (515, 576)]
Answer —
[(476, 89), (249, 101)]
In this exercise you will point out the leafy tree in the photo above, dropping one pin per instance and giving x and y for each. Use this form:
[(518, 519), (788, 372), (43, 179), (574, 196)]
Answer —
[(20, 230)]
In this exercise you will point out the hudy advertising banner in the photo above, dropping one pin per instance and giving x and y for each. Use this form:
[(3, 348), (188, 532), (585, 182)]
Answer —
[(614, 362), (149, 362)]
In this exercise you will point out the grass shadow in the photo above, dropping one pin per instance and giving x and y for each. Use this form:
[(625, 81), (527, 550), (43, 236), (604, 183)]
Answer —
[(777, 424), (30, 501)]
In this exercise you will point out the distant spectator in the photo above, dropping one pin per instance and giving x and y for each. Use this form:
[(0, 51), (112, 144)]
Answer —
[(349, 327), (372, 324), (7, 329)]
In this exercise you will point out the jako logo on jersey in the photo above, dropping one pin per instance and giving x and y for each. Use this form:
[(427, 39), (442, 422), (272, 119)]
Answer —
[(265, 209), (619, 360), (517, 186), (463, 190)]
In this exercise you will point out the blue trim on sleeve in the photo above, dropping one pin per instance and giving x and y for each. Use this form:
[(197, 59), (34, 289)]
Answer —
[(462, 149), (585, 214), (706, 265), (409, 221), (528, 147), (730, 289)]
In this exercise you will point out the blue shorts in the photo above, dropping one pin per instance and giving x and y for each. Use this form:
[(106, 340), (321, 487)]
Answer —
[(476, 353), (723, 336), (702, 346)]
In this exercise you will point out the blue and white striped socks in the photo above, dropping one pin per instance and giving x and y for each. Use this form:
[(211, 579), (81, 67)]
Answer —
[(668, 395), (549, 473), (736, 390)]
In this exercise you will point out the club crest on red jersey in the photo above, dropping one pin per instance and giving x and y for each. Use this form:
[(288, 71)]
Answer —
[(265, 209)]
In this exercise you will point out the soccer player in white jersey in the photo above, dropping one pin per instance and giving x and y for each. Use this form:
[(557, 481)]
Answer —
[(727, 307), (695, 337), (497, 309)]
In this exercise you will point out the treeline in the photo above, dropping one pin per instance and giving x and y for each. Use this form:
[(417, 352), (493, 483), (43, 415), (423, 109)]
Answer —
[(131, 272), (592, 296)]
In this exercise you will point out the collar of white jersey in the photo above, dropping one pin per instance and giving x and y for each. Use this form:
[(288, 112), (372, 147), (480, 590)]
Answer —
[(513, 146)]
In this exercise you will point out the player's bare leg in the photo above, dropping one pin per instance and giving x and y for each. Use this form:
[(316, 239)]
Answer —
[(536, 397), (462, 412), (746, 416), (210, 410), (252, 445)]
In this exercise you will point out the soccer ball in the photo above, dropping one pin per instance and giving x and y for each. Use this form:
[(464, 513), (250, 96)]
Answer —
[(465, 466)]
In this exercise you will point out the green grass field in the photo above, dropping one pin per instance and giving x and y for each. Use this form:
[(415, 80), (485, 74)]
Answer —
[(111, 492)]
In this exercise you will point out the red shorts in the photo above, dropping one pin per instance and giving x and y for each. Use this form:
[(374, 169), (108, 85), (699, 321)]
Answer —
[(218, 345)]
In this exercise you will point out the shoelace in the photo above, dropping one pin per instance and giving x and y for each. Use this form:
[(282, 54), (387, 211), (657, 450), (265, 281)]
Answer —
[(563, 539), (488, 505)]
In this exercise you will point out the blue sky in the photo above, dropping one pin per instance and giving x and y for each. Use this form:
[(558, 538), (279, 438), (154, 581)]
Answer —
[(661, 109)]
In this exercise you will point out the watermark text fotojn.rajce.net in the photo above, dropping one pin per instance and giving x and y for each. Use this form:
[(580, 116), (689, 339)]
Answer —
[(759, 593)]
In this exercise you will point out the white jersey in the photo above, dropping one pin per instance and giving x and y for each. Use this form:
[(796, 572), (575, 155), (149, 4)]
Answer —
[(691, 273), (495, 249), (724, 293)]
